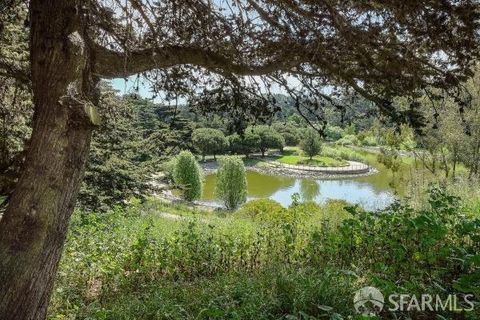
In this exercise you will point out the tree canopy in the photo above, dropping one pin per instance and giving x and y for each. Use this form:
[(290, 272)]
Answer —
[(209, 141), (269, 138), (244, 144), (378, 49)]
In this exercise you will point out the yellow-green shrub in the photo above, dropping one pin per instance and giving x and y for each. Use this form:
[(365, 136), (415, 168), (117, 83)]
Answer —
[(261, 209)]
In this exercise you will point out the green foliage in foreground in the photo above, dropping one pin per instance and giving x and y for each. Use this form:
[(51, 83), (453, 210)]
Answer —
[(231, 185), (187, 175), (135, 264)]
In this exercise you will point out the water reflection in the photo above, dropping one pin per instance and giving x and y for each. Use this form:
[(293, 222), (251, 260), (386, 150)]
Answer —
[(309, 189), (356, 191)]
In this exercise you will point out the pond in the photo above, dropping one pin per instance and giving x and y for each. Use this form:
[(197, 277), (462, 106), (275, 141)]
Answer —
[(281, 189), (371, 192)]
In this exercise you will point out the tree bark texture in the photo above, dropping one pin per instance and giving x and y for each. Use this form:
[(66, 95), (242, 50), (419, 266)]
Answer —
[(34, 225)]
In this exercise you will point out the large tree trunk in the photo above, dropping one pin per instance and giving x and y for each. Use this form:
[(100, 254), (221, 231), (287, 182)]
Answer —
[(34, 225)]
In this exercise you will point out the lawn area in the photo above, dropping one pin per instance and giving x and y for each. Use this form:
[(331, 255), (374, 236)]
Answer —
[(293, 156)]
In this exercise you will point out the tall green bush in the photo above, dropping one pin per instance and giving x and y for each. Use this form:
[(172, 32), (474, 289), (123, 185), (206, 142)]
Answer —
[(231, 186), (311, 144), (188, 176)]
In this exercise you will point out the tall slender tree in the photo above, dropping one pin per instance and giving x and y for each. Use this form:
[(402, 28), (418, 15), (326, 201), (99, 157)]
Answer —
[(311, 143), (378, 48), (231, 184)]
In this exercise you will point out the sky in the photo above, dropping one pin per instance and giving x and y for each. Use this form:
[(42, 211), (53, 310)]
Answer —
[(125, 86)]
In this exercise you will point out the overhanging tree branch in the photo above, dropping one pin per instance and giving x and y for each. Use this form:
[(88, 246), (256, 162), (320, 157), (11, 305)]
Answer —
[(113, 64)]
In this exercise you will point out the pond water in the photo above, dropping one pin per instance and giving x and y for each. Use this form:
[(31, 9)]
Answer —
[(281, 189), (371, 192)]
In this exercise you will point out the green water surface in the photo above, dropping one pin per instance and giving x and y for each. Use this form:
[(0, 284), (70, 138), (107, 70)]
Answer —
[(372, 192)]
